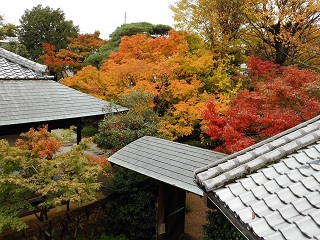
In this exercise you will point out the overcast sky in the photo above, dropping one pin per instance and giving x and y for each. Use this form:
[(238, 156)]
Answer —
[(102, 15)]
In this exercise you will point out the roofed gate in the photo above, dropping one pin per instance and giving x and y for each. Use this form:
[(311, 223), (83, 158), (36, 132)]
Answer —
[(172, 164)]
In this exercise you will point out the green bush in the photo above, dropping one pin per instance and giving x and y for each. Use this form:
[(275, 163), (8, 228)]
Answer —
[(218, 227), (89, 131), (112, 237), (131, 204), (118, 130)]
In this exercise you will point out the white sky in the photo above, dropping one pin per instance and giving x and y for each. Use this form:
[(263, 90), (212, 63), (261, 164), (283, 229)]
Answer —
[(102, 15)]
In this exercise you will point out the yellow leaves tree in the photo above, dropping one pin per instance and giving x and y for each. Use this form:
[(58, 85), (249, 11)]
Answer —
[(218, 22), (286, 32)]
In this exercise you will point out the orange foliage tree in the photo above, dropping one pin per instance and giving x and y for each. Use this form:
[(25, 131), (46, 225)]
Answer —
[(176, 69), (281, 97), (72, 58)]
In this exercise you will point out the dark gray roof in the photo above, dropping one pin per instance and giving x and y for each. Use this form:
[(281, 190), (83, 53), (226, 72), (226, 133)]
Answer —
[(27, 95), (164, 160), (28, 101), (272, 189), (13, 66)]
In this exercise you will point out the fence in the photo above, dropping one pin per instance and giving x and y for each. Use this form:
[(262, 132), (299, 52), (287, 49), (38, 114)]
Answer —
[(82, 223)]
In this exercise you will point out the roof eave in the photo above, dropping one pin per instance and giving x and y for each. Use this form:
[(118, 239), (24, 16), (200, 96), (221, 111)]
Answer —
[(236, 222)]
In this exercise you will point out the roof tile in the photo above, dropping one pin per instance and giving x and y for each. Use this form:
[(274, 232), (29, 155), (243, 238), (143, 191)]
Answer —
[(308, 226), (166, 161), (280, 184), (292, 232)]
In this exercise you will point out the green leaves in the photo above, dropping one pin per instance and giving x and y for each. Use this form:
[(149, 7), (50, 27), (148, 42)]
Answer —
[(118, 130), (45, 25), (33, 169)]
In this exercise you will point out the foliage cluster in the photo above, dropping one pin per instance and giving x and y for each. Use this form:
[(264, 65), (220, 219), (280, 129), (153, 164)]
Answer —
[(218, 227), (128, 30), (132, 204), (118, 130), (285, 32), (45, 25), (32, 169), (60, 61), (176, 70), (278, 98)]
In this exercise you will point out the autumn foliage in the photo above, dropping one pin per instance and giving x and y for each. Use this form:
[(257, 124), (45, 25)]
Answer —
[(281, 97), (72, 58), (34, 169), (177, 70)]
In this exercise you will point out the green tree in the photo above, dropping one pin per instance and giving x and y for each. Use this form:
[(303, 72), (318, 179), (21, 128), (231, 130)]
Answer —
[(131, 204), (118, 130), (17, 48), (45, 25), (8, 30), (31, 169), (218, 227)]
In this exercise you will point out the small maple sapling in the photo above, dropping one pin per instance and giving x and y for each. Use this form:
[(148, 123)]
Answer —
[(32, 169)]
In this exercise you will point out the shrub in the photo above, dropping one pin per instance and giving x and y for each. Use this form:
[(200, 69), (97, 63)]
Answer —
[(131, 204), (218, 227), (89, 131)]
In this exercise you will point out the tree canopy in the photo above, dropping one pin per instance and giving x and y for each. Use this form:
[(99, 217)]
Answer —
[(130, 29), (72, 58), (177, 70), (286, 32), (278, 99), (45, 25)]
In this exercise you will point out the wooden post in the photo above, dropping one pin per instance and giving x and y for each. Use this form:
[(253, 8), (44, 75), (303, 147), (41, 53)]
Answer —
[(161, 212), (79, 128)]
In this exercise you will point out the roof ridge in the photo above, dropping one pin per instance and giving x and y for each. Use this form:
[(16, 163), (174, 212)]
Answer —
[(238, 166), (15, 58), (264, 143)]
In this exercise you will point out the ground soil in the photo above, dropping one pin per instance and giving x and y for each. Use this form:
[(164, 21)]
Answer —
[(195, 217)]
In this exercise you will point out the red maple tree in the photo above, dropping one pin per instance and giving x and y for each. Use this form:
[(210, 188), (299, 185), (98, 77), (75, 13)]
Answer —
[(279, 98)]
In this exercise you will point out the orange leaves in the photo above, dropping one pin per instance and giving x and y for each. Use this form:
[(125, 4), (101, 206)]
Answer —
[(176, 70), (38, 143), (89, 80), (72, 58), (101, 161)]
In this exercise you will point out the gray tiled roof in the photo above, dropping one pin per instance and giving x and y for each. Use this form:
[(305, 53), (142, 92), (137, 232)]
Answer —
[(27, 95), (164, 160), (271, 189), (28, 101), (13, 66)]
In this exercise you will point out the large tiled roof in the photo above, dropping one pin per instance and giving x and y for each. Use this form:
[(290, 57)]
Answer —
[(27, 95), (28, 101), (272, 189), (166, 161), (13, 66)]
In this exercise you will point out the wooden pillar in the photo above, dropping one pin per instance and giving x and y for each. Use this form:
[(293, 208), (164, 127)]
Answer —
[(161, 212), (79, 128)]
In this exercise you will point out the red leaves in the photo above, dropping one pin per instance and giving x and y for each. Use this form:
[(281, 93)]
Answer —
[(38, 143), (281, 99)]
